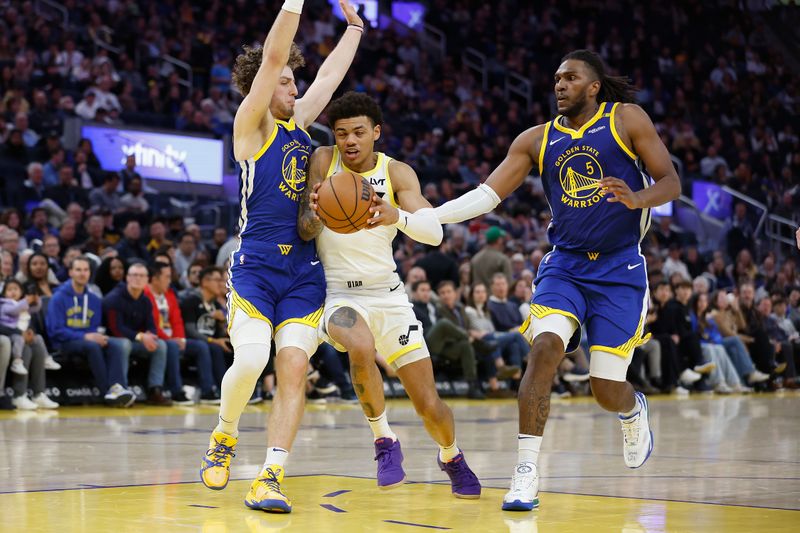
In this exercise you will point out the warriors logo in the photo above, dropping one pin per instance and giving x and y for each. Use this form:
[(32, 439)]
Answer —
[(580, 174), (293, 168)]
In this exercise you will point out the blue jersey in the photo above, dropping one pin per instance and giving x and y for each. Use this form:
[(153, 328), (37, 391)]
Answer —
[(272, 182), (571, 164)]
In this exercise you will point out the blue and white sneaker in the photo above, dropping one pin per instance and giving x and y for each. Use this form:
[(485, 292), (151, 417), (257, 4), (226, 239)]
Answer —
[(524, 492), (636, 435)]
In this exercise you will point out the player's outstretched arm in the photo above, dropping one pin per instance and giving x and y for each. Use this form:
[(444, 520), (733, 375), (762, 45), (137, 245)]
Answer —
[(415, 217), (503, 181), (309, 224), (332, 71), (255, 106), (634, 125)]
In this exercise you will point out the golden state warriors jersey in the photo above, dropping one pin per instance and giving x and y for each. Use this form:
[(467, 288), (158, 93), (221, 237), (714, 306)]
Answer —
[(363, 259), (273, 181), (571, 164)]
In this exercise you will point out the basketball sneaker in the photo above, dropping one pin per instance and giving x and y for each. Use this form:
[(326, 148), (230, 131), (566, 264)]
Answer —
[(636, 435), (390, 463), (524, 492), (464, 482), (216, 467), (266, 494)]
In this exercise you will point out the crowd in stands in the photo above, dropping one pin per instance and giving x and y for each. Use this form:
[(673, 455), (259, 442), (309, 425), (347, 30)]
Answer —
[(90, 255)]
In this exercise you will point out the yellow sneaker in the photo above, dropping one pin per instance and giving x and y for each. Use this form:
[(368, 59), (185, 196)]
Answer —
[(216, 467), (265, 492)]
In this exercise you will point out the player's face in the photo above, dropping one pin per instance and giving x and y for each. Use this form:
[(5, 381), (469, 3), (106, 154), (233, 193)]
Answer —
[(355, 138), (575, 87), (282, 104)]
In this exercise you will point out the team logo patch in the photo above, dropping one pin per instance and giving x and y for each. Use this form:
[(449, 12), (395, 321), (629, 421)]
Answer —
[(285, 248), (404, 338), (293, 168), (579, 173)]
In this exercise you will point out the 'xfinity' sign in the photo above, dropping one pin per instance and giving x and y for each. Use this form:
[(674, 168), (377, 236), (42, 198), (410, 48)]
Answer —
[(161, 156)]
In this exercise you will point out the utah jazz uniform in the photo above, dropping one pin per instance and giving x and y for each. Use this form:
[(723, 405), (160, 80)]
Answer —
[(361, 274), (276, 276), (595, 273)]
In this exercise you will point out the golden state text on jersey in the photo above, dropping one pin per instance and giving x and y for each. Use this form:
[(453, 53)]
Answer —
[(572, 163)]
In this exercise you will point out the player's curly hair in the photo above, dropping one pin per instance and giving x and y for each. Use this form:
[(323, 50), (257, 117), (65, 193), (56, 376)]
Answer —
[(612, 88), (248, 62), (353, 104)]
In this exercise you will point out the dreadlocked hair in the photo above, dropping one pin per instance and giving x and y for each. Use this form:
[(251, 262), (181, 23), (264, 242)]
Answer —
[(249, 61), (353, 104), (612, 88)]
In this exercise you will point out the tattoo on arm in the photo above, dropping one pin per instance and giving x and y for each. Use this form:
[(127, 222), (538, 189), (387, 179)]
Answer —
[(344, 317), (308, 227)]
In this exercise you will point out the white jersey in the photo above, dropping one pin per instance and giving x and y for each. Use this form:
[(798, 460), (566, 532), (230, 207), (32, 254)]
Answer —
[(363, 259)]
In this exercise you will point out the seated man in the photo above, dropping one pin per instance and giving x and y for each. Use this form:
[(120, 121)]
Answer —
[(447, 332), (129, 315), (73, 323), (204, 322)]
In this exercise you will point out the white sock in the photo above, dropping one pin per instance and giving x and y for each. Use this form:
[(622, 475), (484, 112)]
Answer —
[(636, 408), (528, 448), (276, 456), (238, 385), (380, 427), (448, 453)]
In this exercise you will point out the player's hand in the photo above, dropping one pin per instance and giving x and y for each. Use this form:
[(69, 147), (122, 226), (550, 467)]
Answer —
[(350, 13), (383, 213), (313, 200), (619, 191)]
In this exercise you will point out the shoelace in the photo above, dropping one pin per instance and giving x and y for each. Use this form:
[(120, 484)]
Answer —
[(219, 453), (271, 481), (384, 458), (630, 431), (520, 482)]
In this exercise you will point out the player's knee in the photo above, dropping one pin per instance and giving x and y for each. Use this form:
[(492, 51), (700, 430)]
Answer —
[(291, 368), (430, 407), (606, 392), (251, 358), (361, 350), (547, 350)]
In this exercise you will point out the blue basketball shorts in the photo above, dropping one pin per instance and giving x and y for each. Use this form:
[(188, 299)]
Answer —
[(605, 293), (277, 283)]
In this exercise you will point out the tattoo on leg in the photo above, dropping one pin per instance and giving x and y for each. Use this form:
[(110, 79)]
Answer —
[(344, 317), (369, 411), (359, 389), (542, 411)]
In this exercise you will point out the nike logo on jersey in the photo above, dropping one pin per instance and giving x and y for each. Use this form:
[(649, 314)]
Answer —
[(631, 267), (314, 263), (556, 140)]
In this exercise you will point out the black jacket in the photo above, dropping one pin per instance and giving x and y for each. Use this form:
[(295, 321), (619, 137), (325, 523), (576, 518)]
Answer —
[(124, 316)]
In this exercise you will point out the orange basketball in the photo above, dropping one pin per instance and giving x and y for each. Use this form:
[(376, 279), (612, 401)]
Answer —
[(344, 201)]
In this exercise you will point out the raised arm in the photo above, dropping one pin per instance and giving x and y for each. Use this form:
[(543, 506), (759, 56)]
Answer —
[(332, 71), (415, 217), (254, 109), (519, 161), (308, 223), (638, 132)]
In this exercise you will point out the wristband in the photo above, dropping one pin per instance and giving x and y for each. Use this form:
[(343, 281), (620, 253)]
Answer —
[(356, 27), (293, 6)]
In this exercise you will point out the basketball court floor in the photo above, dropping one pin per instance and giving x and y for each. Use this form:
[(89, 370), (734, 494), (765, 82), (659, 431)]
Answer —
[(720, 464)]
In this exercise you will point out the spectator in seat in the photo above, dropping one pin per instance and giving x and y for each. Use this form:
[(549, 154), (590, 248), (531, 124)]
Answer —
[(74, 318), (96, 243), (158, 236), (40, 280), (134, 201), (438, 265), (109, 274), (757, 340), (782, 344), (190, 280), (448, 336), (67, 190), (106, 196), (129, 315), (52, 249), (204, 321), (725, 377), (738, 232), (39, 226), (186, 253), (5, 359), (673, 264), (29, 353), (664, 327), (169, 328), (491, 259), (131, 247), (505, 313), (129, 172)]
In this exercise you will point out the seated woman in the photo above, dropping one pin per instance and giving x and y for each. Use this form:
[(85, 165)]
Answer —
[(507, 349), (724, 378)]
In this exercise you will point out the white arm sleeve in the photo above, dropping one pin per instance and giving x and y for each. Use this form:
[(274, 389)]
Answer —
[(422, 226), (476, 202)]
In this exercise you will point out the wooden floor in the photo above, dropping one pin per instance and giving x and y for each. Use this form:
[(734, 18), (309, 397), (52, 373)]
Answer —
[(719, 465)]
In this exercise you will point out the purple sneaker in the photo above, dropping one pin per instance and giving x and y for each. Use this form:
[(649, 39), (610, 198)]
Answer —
[(465, 482), (390, 463)]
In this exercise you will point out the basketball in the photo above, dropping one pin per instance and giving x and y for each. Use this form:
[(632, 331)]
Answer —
[(344, 201)]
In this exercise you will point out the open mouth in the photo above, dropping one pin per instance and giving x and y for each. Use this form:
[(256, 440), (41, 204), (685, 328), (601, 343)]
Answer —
[(351, 153)]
